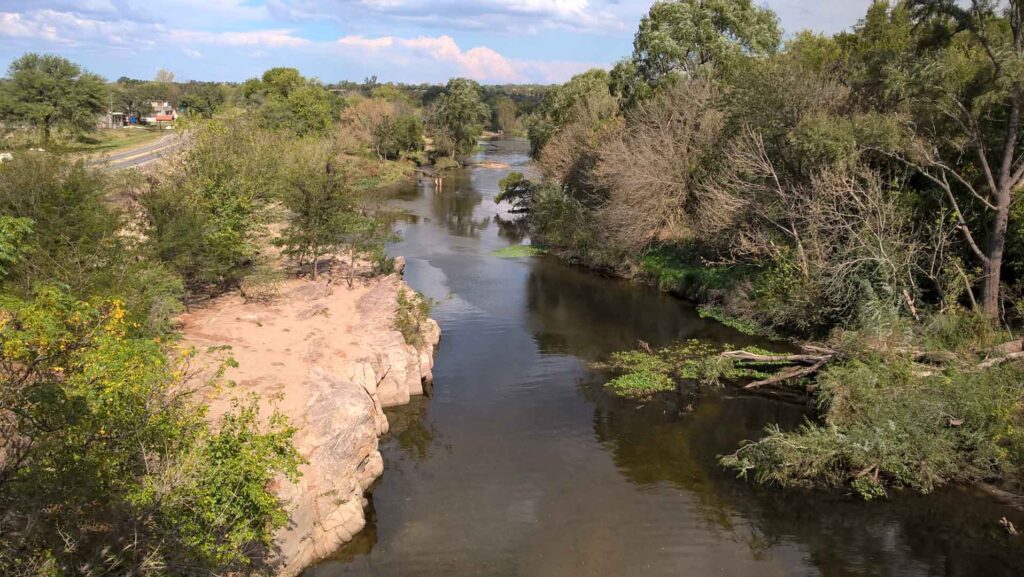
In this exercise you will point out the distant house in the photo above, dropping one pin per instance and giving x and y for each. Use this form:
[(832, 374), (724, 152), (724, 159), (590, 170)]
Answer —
[(163, 113), (111, 119)]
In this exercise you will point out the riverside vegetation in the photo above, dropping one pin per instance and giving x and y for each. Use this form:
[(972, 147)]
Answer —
[(109, 463), (855, 191)]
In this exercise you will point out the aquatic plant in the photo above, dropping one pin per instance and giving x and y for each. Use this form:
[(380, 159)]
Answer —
[(647, 371), (519, 251)]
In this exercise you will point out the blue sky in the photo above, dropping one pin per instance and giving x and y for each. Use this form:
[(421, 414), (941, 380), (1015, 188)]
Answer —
[(396, 40)]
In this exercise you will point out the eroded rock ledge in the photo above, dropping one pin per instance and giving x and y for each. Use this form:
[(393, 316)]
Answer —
[(328, 357)]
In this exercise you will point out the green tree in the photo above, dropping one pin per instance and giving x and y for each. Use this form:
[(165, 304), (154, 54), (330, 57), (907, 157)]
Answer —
[(691, 36), (49, 92), (625, 82), (282, 81), (13, 246), (397, 134), (207, 219), (560, 103), (325, 215), (962, 89), (284, 99), (203, 99), (506, 115), (458, 117)]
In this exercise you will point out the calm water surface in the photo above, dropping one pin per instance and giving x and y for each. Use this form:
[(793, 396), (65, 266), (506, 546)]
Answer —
[(519, 464)]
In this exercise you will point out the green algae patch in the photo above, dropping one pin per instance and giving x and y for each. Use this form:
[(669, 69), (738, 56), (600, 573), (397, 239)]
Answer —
[(645, 372), (518, 251)]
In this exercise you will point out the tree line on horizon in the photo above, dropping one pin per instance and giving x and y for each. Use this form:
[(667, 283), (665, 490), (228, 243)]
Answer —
[(48, 93)]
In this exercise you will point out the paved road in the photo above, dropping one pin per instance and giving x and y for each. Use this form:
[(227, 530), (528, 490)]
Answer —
[(141, 155)]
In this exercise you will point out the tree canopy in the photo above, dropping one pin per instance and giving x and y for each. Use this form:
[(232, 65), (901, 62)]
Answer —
[(48, 92), (458, 117), (692, 36)]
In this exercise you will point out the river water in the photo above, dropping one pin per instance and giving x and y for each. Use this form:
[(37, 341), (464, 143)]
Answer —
[(520, 464)]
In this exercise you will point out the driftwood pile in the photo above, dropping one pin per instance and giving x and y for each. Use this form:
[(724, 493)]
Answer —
[(813, 358)]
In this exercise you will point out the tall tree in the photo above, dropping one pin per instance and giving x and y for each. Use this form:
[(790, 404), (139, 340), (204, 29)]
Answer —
[(325, 213), (459, 116), (48, 91), (505, 114), (964, 92), (686, 36)]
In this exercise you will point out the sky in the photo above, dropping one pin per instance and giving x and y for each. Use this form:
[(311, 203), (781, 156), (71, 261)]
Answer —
[(493, 41)]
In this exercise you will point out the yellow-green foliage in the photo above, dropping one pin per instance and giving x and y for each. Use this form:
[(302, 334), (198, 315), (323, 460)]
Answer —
[(648, 372), (518, 251), (109, 462)]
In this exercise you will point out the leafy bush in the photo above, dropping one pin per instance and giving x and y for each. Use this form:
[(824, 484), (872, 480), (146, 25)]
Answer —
[(208, 219), (889, 421), (77, 238), (110, 465), (413, 310), (671, 269), (444, 163), (745, 326)]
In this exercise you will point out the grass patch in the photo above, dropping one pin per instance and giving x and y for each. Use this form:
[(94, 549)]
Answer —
[(673, 271), (745, 326), (518, 251), (106, 141)]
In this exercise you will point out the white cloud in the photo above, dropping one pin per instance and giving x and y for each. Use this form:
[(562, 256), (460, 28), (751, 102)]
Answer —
[(496, 16), (366, 43), (268, 38), (68, 29), (16, 26), (479, 63)]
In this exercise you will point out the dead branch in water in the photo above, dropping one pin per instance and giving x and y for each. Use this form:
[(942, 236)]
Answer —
[(800, 365), (790, 374)]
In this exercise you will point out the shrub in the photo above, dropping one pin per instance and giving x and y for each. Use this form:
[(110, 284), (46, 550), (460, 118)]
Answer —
[(413, 310), (444, 163), (77, 239), (888, 421), (110, 465), (208, 219)]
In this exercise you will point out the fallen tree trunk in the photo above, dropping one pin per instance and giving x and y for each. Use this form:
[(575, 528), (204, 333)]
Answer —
[(796, 366), (756, 358), (790, 374), (996, 361)]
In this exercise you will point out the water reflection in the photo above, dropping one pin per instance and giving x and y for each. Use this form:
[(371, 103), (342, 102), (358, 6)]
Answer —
[(414, 435), (574, 311), (952, 533), (514, 229), (456, 205)]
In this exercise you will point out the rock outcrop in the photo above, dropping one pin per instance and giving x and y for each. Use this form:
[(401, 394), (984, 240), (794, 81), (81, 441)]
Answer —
[(329, 358)]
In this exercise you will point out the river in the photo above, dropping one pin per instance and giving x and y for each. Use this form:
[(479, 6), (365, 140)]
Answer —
[(520, 464)]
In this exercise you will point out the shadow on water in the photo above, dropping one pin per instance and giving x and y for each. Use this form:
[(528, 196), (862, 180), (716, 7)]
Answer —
[(521, 464)]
